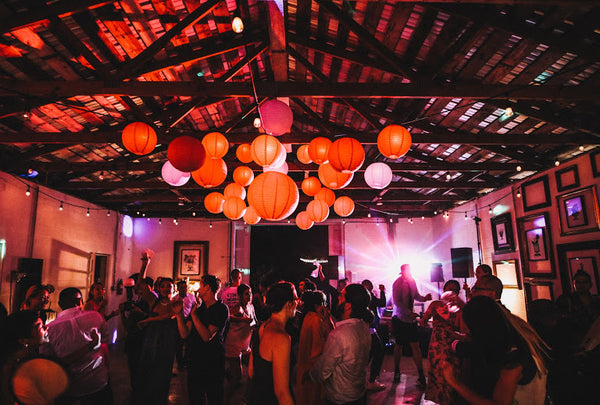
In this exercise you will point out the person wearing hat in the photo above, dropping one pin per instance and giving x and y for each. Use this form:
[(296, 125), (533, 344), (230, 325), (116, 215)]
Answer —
[(37, 298)]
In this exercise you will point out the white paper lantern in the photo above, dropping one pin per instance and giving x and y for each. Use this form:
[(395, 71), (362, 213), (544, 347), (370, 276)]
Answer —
[(172, 176), (378, 175)]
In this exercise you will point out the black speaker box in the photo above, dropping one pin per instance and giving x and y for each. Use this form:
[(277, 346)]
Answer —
[(462, 262), (29, 273), (437, 273)]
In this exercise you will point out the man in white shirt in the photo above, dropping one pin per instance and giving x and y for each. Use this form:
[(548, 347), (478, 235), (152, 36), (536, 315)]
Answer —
[(74, 338)]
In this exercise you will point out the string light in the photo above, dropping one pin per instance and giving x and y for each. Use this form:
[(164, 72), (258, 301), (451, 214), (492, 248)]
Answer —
[(88, 212), (256, 122), (422, 217), (557, 163), (448, 176), (101, 176), (210, 225), (581, 148), (391, 220), (148, 219), (518, 193), (369, 215), (519, 168), (466, 216), (237, 25), (343, 221), (160, 221), (175, 221), (108, 213), (194, 213), (61, 206), (490, 211), (28, 192)]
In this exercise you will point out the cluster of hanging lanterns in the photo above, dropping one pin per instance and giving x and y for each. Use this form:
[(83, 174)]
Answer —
[(271, 195)]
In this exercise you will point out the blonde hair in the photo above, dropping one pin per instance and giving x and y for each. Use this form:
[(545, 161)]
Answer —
[(537, 347)]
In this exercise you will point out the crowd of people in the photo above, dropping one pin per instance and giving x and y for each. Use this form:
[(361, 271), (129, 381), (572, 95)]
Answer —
[(314, 344)]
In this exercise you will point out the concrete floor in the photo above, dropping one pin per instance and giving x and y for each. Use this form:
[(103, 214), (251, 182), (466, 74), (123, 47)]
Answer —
[(406, 392)]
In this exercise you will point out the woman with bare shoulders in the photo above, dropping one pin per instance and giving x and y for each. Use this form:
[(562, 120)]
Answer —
[(271, 346)]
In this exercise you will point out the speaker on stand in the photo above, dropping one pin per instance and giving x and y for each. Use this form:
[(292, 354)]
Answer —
[(462, 262), (437, 276)]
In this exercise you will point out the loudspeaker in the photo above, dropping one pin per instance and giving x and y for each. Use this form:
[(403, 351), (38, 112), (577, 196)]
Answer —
[(29, 273), (462, 262), (330, 269), (436, 273)]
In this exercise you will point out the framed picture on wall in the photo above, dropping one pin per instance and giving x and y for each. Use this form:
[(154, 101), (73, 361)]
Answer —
[(538, 290), (578, 211), (502, 233), (580, 256), (536, 193), (190, 260), (595, 161), (508, 272), (536, 246), (567, 178)]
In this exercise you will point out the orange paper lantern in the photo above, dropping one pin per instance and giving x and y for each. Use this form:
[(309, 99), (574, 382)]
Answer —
[(243, 153), (251, 216), (139, 138), (326, 195), (303, 221), (343, 206), (186, 153), (212, 173), (266, 150), (215, 144), (394, 141), (311, 186), (243, 176), (332, 178), (302, 154), (318, 150), (234, 208), (213, 202), (346, 155), (274, 195), (317, 210), (234, 190)]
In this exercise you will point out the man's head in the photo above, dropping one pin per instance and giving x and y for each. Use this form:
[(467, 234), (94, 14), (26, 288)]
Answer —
[(452, 285), (582, 282), (342, 284), (182, 287), (482, 270), (235, 277), (405, 271), (37, 297), (210, 281), (70, 297), (355, 300), (368, 285), (488, 285)]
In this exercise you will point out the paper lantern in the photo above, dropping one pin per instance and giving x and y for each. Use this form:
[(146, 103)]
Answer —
[(173, 176), (318, 150), (280, 160), (332, 178), (281, 169), (243, 176), (303, 221), (213, 202), (234, 190), (378, 175), (343, 206), (273, 195), (234, 208), (346, 155), (276, 117), (317, 210), (302, 154), (215, 144), (251, 216), (311, 186), (243, 153), (394, 141), (212, 173), (139, 138), (186, 153), (326, 195), (265, 149)]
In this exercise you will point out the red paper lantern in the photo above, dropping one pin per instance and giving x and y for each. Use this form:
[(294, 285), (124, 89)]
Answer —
[(265, 149), (394, 141), (343, 206), (243, 176), (212, 173), (186, 153), (303, 221), (139, 138), (332, 178), (276, 117), (317, 210), (302, 154), (172, 176), (213, 202), (215, 144), (251, 216), (318, 150), (326, 195), (273, 195), (234, 208), (311, 186), (243, 153), (346, 155), (234, 190)]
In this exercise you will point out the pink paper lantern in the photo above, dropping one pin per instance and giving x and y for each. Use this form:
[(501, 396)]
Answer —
[(281, 169), (276, 117), (378, 175), (173, 176)]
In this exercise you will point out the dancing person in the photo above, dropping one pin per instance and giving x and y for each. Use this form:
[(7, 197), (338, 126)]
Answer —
[(37, 298), (481, 270), (377, 352), (97, 302)]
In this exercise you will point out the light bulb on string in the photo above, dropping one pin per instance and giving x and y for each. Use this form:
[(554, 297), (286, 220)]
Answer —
[(88, 212), (210, 225), (490, 210), (466, 216), (237, 25), (148, 219), (194, 213), (61, 206), (423, 217), (257, 122), (581, 148), (160, 221), (101, 176), (519, 168), (518, 193), (108, 213), (28, 192), (557, 163), (369, 215)]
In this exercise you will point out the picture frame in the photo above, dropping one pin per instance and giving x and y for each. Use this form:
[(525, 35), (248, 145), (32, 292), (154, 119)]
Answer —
[(578, 211), (583, 256), (535, 241), (190, 260), (536, 193), (567, 178), (508, 272), (502, 233), (536, 290), (595, 161)]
